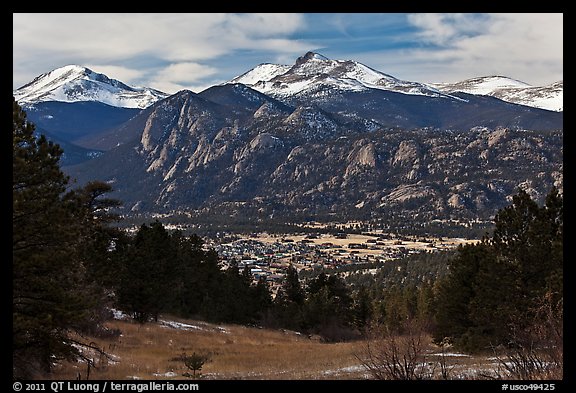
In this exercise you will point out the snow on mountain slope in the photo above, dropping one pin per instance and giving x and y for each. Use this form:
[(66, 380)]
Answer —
[(73, 83), (314, 71), (262, 72), (481, 85), (548, 97)]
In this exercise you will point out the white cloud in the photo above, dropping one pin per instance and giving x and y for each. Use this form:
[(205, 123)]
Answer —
[(263, 25), (528, 47), (126, 75), (118, 39), (444, 29), (179, 76), (171, 52)]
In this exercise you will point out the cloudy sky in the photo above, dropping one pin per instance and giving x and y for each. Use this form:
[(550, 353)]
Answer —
[(171, 52)]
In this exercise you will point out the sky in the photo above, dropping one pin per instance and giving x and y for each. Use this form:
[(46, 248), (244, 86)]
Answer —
[(172, 52)]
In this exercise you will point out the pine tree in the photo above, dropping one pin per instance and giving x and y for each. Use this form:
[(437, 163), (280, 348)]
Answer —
[(100, 241), (363, 311), (148, 273), (288, 303), (262, 299), (292, 287), (232, 301), (197, 275), (500, 283), (529, 237), (51, 294)]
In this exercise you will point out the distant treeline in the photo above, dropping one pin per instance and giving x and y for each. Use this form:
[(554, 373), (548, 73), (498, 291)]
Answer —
[(398, 224)]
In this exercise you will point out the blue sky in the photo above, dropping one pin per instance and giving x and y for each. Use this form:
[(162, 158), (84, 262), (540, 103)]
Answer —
[(171, 52)]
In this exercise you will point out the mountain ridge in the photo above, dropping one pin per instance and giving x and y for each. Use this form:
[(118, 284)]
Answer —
[(312, 69), (325, 151), (280, 81), (73, 83), (549, 97)]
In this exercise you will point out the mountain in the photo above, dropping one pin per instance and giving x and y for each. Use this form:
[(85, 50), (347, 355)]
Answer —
[(186, 149), (349, 88), (76, 122), (201, 158), (261, 73), (240, 97), (72, 153), (548, 97), (320, 139), (79, 107), (313, 72), (73, 83), (189, 160)]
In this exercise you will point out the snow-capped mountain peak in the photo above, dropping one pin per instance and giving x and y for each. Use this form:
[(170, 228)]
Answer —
[(315, 74), (313, 71), (548, 97), (311, 56), (481, 85), (74, 83)]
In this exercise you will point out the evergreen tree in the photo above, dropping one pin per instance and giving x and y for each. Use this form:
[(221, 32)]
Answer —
[(52, 294), (362, 310), (292, 288), (328, 307), (101, 241), (262, 300), (500, 283), (319, 311), (197, 275), (530, 238), (425, 304), (232, 301), (287, 306), (148, 272)]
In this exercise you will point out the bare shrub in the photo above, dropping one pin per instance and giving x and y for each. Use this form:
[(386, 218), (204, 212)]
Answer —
[(396, 356), (537, 350), (94, 357), (445, 369)]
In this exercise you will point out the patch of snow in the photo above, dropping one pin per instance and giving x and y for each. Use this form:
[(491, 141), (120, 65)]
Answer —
[(168, 374), (455, 354), (179, 325), (186, 326), (119, 315), (114, 359), (348, 369), (481, 85)]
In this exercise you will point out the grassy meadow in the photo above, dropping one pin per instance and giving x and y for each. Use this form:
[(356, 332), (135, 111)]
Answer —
[(153, 351)]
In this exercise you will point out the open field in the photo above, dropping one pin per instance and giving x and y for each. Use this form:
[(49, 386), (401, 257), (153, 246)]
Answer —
[(236, 352), (151, 351), (373, 246)]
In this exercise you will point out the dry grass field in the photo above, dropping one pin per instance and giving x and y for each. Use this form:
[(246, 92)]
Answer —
[(415, 244), (151, 351)]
